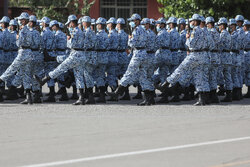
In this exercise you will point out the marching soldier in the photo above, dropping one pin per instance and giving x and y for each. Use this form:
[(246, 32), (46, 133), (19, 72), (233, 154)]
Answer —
[(22, 62)]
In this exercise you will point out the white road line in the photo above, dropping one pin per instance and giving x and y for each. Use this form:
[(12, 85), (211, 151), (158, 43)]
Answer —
[(137, 152)]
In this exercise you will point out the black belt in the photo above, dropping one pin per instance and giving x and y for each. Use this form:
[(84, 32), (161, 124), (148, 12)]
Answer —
[(121, 50), (1, 48), (139, 48), (195, 50), (235, 51), (78, 49), (50, 50), (183, 49), (101, 50), (173, 50), (112, 50), (90, 50), (24, 47), (35, 49), (214, 51), (226, 51), (151, 51), (246, 50), (164, 48), (60, 50), (205, 50), (6, 50)]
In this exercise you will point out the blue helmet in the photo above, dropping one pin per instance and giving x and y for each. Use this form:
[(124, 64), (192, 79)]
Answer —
[(202, 18), (71, 18), (239, 18), (181, 21), (13, 22), (232, 21), (32, 18), (209, 20), (120, 21), (92, 21), (79, 20), (23, 15), (61, 25), (172, 20), (152, 21), (111, 20), (145, 21), (101, 20), (38, 22), (53, 22), (222, 20), (161, 20), (45, 20), (5, 19), (135, 16), (196, 17), (86, 19), (246, 23)]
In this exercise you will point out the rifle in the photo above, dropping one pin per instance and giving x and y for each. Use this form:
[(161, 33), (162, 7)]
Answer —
[(129, 28), (189, 29), (17, 25), (95, 28), (66, 31), (179, 28)]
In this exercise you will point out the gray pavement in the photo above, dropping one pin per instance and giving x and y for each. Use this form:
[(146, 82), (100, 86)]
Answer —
[(47, 133)]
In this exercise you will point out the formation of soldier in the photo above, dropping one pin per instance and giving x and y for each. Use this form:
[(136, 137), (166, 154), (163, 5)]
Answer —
[(176, 56)]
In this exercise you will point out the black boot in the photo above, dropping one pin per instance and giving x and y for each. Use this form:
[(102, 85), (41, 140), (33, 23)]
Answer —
[(101, 98), (164, 98), (221, 91), (152, 97), (149, 99), (43, 81), (64, 95), (175, 91), (247, 95), (60, 91), (81, 100), (28, 99), (119, 91), (126, 95), (37, 98), (74, 95), (139, 94), (214, 97), (146, 100), (191, 92), (240, 92), (91, 99), (236, 94), (97, 92), (12, 94), (201, 99), (162, 87), (20, 92), (1, 94), (228, 97), (207, 98), (186, 96), (51, 98)]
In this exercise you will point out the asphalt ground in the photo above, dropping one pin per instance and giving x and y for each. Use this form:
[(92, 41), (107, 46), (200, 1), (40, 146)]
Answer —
[(121, 134)]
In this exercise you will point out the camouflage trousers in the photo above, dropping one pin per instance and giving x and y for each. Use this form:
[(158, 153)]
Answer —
[(138, 70), (22, 65), (75, 61), (193, 67)]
